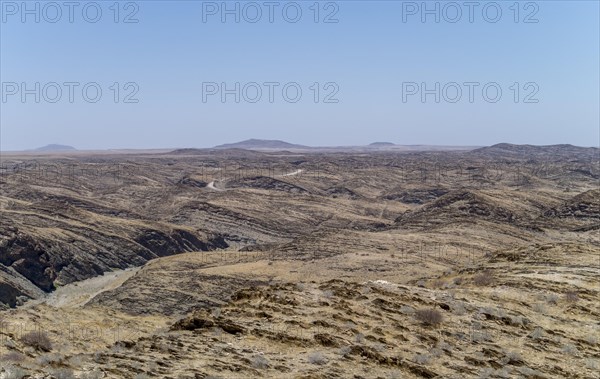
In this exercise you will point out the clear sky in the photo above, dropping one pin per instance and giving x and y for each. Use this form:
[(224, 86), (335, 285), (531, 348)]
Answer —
[(372, 62)]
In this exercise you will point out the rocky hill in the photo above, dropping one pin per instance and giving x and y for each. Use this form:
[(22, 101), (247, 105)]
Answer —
[(244, 264)]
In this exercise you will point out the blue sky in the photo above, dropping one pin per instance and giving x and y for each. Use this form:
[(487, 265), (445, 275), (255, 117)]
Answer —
[(364, 63)]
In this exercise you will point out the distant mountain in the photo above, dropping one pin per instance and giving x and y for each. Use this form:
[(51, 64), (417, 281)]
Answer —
[(261, 144), (55, 147), (382, 144), (508, 149)]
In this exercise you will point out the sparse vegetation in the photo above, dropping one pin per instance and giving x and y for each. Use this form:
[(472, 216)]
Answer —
[(14, 372), (13, 356), (345, 350), (570, 349), (63, 373), (538, 333), (512, 357), (431, 317), (592, 364), (39, 340), (328, 294), (359, 338), (50, 359), (95, 374), (317, 358), (422, 359), (280, 309), (539, 308), (571, 296), (260, 362), (485, 278), (552, 299)]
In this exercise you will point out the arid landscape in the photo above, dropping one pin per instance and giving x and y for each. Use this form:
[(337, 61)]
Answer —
[(234, 262)]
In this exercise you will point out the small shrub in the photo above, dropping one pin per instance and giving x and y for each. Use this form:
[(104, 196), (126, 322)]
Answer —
[(570, 349), (379, 347), (98, 358), (459, 309), (359, 338), (14, 372), (217, 332), (571, 297), (539, 308), (591, 339), (537, 333), (75, 361), (38, 340), (444, 346), (429, 316), (422, 359), (529, 372), (592, 364), (438, 283), (91, 375), (260, 362), (435, 352), (13, 356), (50, 359), (491, 373), (504, 373), (516, 320), (63, 373), (317, 359), (552, 298), (10, 344), (512, 357), (486, 278), (481, 336)]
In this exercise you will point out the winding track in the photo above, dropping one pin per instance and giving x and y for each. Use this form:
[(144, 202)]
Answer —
[(211, 185)]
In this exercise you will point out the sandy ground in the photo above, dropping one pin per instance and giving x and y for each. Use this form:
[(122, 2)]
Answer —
[(77, 294)]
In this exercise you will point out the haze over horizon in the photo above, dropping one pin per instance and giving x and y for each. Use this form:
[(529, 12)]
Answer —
[(58, 147), (189, 74)]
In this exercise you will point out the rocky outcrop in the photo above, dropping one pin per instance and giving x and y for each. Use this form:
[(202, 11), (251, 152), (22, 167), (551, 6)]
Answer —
[(266, 183), (457, 206), (58, 257)]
